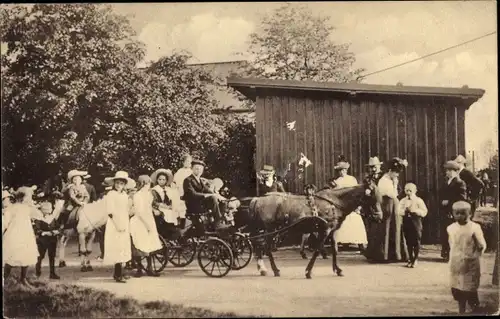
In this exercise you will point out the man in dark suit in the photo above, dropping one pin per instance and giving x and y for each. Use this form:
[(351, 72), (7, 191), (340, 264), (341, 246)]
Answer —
[(199, 197), (90, 189), (453, 191), (474, 184)]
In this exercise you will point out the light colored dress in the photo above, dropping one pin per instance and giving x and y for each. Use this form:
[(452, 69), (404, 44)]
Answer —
[(352, 230), (144, 240), (467, 243), (117, 245), (179, 178), (178, 208), (19, 241)]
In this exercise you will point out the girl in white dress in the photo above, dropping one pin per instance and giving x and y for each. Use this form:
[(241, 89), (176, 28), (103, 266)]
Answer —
[(19, 241), (117, 244), (352, 230), (143, 226), (467, 245), (179, 178)]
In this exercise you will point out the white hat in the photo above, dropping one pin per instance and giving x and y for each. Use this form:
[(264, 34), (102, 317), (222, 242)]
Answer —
[(163, 171), (342, 165), (75, 172), (460, 159), (87, 176), (123, 175), (374, 161)]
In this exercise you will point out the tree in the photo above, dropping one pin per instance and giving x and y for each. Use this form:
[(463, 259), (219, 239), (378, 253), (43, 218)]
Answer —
[(65, 72), (74, 98), (294, 44)]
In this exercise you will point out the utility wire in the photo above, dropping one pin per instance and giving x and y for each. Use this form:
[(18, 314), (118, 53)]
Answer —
[(427, 55)]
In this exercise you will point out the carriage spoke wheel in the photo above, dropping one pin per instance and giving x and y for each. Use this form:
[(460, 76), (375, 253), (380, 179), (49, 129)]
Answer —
[(215, 258), (242, 250), (182, 252), (159, 258)]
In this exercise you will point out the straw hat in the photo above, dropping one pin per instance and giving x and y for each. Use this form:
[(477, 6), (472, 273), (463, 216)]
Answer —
[(123, 176), (460, 159), (451, 165), (166, 172), (342, 165), (267, 169), (74, 173), (373, 161), (87, 176)]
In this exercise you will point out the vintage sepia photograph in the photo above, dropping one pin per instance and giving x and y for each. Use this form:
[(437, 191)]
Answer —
[(249, 159)]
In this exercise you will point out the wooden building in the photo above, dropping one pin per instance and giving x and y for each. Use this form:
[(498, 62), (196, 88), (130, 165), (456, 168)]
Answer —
[(425, 125)]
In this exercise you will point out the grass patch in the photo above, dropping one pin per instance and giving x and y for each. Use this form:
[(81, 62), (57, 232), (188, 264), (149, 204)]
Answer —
[(65, 301)]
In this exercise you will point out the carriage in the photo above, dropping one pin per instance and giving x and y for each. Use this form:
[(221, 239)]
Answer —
[(217, 252)]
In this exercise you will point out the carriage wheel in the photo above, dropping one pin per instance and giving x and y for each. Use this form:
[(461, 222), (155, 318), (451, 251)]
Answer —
[(242, 250), (182, 253), (159, 258), (215, 258)]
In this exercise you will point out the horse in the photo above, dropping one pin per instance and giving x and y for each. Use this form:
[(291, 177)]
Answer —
[(267, 213), (90, 217)]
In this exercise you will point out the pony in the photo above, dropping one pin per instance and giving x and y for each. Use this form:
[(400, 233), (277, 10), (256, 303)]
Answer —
[(268, 213)]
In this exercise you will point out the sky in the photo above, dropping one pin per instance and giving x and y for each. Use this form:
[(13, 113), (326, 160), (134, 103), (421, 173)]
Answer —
[(381, 34)]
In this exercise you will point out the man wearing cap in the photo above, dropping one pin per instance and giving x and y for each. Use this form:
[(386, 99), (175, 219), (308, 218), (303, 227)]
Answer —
[(198, 196), (454, 190), (90, 188), (372, 178), (474, 184), (268, 182)]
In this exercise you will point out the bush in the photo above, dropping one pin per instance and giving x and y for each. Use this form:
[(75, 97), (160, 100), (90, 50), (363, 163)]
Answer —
[(71, 301)]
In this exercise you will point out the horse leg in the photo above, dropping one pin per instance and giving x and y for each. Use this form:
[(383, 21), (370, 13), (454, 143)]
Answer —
[(83, 250), (88, 246), (275, 269), (261, 266), (305, 237), (317, 249), (335, 267), (62, 249)]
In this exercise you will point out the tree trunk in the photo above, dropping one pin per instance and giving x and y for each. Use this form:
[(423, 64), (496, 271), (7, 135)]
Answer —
[(495, 270)]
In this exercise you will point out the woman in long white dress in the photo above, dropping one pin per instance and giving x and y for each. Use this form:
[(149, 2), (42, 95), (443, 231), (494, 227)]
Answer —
[(143, 229), (352, 230), (179, 178), (19, 241), (117, 241)]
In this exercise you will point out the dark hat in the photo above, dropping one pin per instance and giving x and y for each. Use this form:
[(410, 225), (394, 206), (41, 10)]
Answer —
[(397, 164), (198, 162), (452, 165)]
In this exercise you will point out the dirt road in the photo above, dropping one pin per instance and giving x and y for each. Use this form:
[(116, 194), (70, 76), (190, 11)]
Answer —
[(366, 289)]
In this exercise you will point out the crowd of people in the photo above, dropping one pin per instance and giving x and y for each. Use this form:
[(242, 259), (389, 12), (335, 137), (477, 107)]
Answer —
[(393, 232), (137, 211)]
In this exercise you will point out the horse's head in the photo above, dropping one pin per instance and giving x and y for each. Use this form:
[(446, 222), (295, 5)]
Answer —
[(349, 199)]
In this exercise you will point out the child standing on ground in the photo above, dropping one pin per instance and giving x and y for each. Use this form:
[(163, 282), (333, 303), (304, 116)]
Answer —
[(467, 244), (413, 209), (46, 231)]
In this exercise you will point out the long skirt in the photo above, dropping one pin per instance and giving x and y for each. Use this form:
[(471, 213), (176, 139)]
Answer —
[(352, 230), (385, 239)]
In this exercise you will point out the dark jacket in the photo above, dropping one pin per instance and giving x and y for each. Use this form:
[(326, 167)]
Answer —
[(453, 192), (194, 194), (474, 184), (40, 226), (91, 190)]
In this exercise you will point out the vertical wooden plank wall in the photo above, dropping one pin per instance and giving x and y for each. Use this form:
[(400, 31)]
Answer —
[(426, 132)]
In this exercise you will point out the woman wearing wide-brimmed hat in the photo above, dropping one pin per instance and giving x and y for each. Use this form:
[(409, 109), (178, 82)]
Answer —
[(352, 230), (76, 196), (167, 206), (268, 182), (18, 240), (117, 242), (143, 226), (385, 239)]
